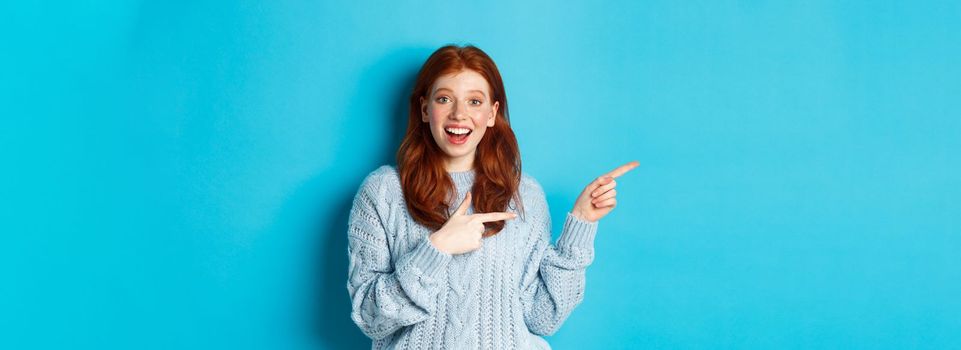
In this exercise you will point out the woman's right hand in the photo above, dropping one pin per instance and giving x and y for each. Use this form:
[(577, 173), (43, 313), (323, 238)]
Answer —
[(463, 233)]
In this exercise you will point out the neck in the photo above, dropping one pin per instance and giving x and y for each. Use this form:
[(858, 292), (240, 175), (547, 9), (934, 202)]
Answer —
[(464, 163)]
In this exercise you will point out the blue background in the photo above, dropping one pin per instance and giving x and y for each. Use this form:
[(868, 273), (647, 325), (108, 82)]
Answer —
[(177, 174)]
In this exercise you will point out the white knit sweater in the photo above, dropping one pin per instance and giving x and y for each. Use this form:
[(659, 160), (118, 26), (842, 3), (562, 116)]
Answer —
[(406, 294)]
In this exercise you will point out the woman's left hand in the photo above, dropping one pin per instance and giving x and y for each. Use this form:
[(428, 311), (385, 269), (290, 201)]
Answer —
[(597, 199)]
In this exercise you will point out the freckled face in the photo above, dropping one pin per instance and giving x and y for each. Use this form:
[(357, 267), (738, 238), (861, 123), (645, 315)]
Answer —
[(459, 110)]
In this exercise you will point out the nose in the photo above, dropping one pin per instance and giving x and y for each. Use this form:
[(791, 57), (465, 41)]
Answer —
[(460, 111)]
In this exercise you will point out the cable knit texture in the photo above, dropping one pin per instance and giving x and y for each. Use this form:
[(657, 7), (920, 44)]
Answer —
[(406, 294)]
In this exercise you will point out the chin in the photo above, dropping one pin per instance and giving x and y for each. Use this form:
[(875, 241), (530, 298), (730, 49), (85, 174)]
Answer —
[(453, 154)]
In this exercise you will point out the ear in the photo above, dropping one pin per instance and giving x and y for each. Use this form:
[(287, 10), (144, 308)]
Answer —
[(493, 118), (423, 110)]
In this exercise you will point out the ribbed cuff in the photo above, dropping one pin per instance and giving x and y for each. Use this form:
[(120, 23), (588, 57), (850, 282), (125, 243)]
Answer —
[(577, 233), (426, 258)]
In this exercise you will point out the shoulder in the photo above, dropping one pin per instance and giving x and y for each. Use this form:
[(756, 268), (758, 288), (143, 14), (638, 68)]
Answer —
[(381, 183), (529, 183), (535, 210), (384, 175), (531, 191)]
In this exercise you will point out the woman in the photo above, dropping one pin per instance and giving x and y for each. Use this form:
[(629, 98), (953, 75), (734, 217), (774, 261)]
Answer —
[(439, 258)]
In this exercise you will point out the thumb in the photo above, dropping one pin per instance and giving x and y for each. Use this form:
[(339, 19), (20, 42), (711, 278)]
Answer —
[(462, 209)]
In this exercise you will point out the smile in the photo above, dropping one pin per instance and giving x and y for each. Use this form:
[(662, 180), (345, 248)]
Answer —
[(457, 136)]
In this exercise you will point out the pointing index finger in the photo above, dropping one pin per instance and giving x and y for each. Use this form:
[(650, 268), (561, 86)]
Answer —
[(497, 216), (623, 169)]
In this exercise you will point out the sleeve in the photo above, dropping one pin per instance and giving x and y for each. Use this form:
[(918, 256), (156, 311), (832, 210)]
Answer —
[(556, 279), (385, 296)]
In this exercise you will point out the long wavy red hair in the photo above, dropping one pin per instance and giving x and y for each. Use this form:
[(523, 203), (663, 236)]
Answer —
[(428, 189)]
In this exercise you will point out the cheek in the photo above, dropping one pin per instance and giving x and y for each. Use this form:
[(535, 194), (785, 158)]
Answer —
[(436, 119), (480, 127), (437, 112), (481, 118)]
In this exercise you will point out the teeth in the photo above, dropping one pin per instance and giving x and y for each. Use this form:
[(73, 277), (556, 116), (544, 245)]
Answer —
[(458, 131)]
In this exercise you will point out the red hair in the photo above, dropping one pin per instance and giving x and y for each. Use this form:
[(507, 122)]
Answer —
[(427, 187)]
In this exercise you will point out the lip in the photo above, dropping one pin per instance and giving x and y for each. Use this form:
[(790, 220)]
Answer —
[(460, 126), (450, 138)]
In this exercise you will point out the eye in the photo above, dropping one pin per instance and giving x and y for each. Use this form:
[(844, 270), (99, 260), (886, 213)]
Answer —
[(443, 99), (476, 102)]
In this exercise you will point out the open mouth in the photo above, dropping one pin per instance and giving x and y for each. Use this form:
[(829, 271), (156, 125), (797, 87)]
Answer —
[(457, 136)]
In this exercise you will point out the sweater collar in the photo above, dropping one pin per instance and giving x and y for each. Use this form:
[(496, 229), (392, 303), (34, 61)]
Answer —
[(463, 180)]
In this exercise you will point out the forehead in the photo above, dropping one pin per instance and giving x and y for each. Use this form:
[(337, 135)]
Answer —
[(462, 82)]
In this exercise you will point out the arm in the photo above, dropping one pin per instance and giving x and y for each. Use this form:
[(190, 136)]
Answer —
[(386, 297), (555, 281)]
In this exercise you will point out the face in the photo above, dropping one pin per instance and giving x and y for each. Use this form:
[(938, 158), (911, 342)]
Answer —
[(459, 110)]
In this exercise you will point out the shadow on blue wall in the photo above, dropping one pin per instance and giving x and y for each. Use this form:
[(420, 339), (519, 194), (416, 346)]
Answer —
[(389, 79)]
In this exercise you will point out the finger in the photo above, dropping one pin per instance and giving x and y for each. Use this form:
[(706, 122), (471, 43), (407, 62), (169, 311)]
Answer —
[(488, 217), (462, 209), (623, 169), (603, 189), (598, 182), (607, 203), (608, 195)]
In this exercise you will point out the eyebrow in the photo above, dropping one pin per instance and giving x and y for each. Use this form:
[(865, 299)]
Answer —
[(481, 92)]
